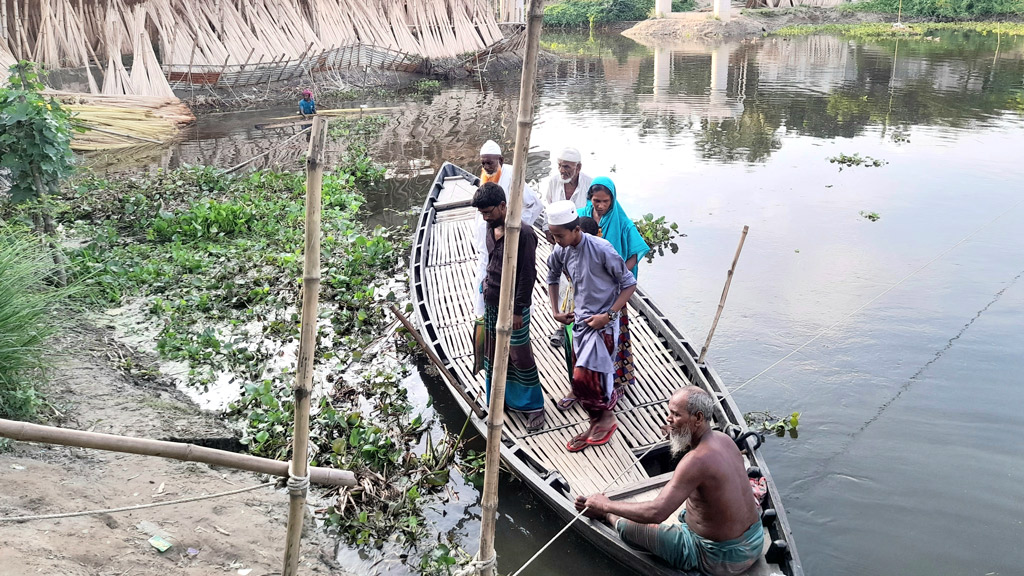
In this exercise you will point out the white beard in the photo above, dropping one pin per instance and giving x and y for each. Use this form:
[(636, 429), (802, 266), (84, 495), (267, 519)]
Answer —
[(680, 441), (565, 180)]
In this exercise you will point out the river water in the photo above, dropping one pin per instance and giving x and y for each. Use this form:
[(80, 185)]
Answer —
[(909, 458)]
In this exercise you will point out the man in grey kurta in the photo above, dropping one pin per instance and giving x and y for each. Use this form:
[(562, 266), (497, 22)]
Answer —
[(603, 286)]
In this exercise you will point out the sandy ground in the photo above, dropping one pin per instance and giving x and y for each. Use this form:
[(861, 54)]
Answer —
[(239, 534), (747, 24)]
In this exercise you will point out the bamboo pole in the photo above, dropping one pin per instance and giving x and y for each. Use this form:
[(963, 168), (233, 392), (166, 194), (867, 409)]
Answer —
[(26, 432), (513, 223), (725, 293), (307, 342), (445, 373)]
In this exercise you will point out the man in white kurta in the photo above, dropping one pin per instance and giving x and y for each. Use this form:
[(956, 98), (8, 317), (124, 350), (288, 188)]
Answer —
[(568, 183)]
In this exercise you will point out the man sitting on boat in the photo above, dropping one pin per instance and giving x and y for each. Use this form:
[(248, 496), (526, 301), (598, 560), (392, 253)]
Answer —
[(523, 391), (719, 531), (602, 286)]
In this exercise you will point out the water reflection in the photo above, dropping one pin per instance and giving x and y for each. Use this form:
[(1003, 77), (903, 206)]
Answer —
[(735, 101), (715, 137)]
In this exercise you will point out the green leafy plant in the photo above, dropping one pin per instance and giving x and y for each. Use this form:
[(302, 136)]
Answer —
[(848, 161), (658, 234), (365, 127), (580, 13), (767, 422), (428, 86), (35, 143)]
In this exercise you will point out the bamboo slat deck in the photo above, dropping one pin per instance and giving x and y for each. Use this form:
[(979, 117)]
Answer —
[(443, 273), (451, 269)]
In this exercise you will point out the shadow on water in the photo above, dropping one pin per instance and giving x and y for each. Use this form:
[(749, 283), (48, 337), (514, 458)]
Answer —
[(718, 136)]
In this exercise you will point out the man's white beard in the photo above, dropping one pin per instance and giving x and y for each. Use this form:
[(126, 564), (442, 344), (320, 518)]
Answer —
[(565, 180), (680, 441)]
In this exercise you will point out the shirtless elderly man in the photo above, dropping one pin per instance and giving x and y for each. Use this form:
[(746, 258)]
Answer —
[(720, 530)]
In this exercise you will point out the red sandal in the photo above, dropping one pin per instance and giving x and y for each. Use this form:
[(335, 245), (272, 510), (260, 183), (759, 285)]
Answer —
[(604, 439)]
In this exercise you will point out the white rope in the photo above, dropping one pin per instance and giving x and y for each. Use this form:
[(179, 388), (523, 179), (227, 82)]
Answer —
[(866, 304), (137, 507), (584, 511)]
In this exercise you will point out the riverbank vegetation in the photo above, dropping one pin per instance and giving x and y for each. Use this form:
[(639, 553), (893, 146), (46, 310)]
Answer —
[(582, 13), (208, 265), (30, 307), (203, 269), (923, 30), (951, 9)]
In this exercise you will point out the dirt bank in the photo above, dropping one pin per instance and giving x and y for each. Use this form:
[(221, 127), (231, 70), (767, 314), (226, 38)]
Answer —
[(239, 534), (745, 23)]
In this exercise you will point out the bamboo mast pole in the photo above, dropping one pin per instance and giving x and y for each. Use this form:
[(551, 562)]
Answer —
[(3, 23), (307, 346), (725, 293), (513, 223), (25, 432)]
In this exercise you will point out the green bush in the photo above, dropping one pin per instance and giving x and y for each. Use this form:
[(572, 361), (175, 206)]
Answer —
[(27, 312), (576, 13), (956, 9)]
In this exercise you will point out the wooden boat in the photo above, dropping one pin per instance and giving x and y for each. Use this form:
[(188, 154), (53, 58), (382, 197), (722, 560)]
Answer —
[(442, 271)]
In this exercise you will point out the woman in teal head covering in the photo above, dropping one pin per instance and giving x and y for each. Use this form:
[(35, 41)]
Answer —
[(620, 231), (616, 227)]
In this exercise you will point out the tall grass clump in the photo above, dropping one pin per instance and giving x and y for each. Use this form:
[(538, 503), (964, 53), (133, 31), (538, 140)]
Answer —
[(27, 320)]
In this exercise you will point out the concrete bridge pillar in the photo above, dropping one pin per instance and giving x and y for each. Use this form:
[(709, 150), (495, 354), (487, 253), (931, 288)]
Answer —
[(662, 8), (721, 9)]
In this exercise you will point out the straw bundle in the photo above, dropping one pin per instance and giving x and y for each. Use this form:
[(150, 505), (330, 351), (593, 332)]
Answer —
[(116, 79), (212, 35), (124, 121), (146, 76)]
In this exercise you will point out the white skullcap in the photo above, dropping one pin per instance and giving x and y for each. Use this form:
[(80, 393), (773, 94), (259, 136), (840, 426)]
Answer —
[(561, 212), (490, 147), (570, 155)]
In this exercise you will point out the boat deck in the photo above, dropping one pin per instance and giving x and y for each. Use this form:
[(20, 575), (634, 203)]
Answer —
[(451, 269)]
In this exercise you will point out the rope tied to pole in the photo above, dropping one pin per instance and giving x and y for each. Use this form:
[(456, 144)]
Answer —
[(476, 566), (297, 484)]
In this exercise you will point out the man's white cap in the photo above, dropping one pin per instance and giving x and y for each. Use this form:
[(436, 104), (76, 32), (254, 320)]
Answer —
[(570, 155), (562, 212), (490, 147)]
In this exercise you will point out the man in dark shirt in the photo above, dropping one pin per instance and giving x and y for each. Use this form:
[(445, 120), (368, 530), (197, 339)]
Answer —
[(523, 391)]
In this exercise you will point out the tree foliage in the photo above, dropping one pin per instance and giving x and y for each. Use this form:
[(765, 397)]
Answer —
[(35, 135)]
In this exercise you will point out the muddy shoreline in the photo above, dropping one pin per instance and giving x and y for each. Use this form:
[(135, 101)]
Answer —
[(104, 386)]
